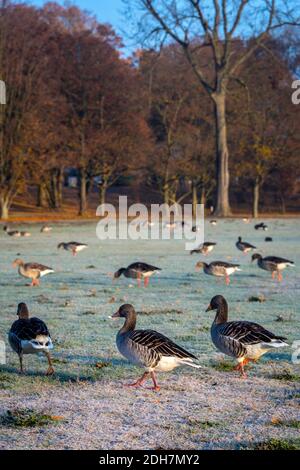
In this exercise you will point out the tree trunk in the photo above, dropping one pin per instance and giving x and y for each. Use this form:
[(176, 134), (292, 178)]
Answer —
[(60, 183), (102, 193), (42, 200), (4, 208), (194, 200), (222, 205), (203, 196), (256, 188), (82, 192), (166, 191)]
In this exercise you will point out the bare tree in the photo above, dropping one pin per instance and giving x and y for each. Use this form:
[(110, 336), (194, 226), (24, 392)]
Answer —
[(214, 26)]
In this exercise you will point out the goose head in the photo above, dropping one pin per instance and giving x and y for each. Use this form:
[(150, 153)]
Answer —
[(256, 256), (18, 262), (216, 302), (22, 311), (125, 311)]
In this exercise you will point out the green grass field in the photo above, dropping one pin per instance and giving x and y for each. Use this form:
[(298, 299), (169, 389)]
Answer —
[(86, 406)]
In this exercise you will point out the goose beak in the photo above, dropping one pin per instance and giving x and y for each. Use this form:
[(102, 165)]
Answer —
[(115, 315), (208, 308)]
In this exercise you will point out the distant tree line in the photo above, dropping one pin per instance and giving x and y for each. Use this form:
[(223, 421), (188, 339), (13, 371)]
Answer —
[(74, 101)]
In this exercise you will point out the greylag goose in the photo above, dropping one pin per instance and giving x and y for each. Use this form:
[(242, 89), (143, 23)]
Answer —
[(46, 229), (74, 247), (244, 246), (261, 226), (11, 233), (246, 341), (30, 336), (149, 349), (274, 264), (138, 271), (33, 271), (204, 249), (219, 269)]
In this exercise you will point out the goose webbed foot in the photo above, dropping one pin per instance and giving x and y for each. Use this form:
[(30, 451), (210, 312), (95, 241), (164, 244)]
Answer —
[(139, 382), (155, 387), (50, 371)]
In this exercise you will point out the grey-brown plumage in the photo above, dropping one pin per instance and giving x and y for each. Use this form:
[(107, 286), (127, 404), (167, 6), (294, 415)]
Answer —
[(30, 336), (245, 247), (11, 233), (148, 348), (204, 249), (219, 269), (138, 271), (273, 264), (74, 247), (33, 271), (246, 341)]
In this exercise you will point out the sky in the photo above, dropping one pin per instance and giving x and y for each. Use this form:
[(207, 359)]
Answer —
[(107, 11)]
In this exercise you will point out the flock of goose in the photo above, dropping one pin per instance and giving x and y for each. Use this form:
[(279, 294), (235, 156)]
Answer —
[(243, 340)]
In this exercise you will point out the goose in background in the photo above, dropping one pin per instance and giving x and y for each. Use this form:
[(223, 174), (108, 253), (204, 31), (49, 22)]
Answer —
[(46, 228), (273, 264), (261, 226), (11, 233), (245, 247), (138, 271), (74, 247), (30, 336), (149, 349), (244, 340), (204, 249), (25, 234), (219, 269), (33, 271)]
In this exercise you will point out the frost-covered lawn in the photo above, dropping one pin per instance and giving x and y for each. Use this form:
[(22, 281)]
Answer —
[(195, 409)]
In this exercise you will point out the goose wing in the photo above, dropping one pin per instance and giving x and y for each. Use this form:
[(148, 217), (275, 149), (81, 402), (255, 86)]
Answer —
[(36, 267), (29, 329), (142, 267), (159, 344), (247, 333), (277, 260), (224, 264)]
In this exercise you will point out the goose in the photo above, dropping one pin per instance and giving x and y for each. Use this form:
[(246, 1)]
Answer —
[(30, 336), (204, 249), (244, 340), (46, 229), (213, 222), (274, 264), (11, 233), (149, 349), (137, 271), (25, 234), (74, 247), (261, 226), (219, 268), (33, 271), (244, 246)]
